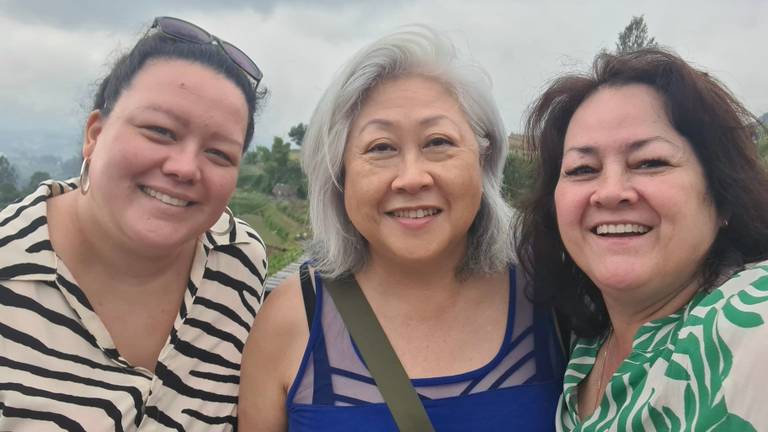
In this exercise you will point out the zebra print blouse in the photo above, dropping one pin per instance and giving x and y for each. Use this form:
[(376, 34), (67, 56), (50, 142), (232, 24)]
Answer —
[(59, 369)]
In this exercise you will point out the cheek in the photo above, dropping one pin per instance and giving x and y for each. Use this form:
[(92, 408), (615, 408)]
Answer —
[(561, 204), (223, 185), (568, 209)]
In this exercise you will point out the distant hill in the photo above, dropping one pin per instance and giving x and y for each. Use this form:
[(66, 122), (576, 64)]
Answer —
[(764, 119)]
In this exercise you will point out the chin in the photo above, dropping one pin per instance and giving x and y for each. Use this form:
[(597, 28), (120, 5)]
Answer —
[(618, 280), (163, 240)]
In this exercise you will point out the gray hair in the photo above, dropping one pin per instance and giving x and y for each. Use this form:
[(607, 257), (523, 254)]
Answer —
[(337, 247)]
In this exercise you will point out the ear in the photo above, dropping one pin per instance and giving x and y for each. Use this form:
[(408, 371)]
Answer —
[(93, 127)]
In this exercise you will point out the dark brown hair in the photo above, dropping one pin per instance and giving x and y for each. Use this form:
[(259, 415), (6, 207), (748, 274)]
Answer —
[(156, 45), (701, 109)]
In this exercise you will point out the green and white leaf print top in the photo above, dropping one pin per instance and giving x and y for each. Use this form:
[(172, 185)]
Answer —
[(702, 368)]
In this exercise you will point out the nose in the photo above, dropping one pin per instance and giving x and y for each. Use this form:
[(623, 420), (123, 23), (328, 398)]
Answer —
[(182, 164), (614, 188), (413, 175)]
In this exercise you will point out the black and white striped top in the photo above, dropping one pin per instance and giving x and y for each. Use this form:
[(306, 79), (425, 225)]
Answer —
[(59, 369)]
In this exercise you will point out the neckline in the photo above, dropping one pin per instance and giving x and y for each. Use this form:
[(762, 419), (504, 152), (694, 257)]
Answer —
[(463, 376)]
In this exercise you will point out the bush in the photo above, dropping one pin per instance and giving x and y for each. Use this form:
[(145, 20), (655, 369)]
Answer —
[(518, 177)]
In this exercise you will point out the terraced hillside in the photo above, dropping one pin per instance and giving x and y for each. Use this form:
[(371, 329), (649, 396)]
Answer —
[(281, 222)]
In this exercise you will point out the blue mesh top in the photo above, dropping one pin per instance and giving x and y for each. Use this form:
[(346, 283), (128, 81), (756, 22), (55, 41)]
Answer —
[(517, 390)]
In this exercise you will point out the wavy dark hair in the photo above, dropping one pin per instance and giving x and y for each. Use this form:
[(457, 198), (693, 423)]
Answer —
[(721, 132), (156, 45)]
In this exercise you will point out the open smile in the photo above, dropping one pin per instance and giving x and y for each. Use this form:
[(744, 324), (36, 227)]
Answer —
[(620, 230), (164, 198), (415, 213)]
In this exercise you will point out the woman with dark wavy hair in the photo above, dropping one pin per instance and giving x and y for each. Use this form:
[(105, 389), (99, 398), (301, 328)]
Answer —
[(648, 229)]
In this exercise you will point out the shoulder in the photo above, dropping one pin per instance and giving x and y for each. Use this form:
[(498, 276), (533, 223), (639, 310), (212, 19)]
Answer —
[(743, 295), (736, 311), (722, 343), (283, 311), (280, 332), (24, 238)]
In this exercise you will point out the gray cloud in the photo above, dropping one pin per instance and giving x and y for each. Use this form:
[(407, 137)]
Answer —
[(108, 15), (53, 52)]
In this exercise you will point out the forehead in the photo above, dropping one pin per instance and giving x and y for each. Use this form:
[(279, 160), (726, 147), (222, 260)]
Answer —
[(619, 114), (173, 73), (185, 85), (414, 93)]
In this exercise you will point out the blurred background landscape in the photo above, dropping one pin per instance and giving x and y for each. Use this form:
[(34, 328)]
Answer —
[(55, 51)]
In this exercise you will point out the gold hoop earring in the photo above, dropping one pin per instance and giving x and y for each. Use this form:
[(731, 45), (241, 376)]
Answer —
[(85, 181), (230, 226)]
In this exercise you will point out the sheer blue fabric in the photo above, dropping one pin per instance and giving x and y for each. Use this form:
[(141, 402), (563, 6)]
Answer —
[(517, 390)]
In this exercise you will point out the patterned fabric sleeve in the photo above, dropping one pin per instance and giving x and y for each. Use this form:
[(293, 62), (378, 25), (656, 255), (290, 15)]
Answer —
[(719, 358)]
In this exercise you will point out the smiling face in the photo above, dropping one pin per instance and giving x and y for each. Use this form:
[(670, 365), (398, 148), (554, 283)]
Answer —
[(413, 180), (165, 162), (632, 203)]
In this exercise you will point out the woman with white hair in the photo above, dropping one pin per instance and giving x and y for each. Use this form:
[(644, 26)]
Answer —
[(404, 155)]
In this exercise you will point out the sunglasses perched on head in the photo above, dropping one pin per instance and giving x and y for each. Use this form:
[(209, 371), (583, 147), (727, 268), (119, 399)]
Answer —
[(188, 32)]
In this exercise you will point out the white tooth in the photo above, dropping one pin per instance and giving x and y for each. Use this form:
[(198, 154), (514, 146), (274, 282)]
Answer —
[(611, 229), (165, 198), (627, 228), (419, 213)]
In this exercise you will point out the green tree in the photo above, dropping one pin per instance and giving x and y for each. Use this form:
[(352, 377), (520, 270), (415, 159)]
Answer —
[(35, 180), (8, 176), (251, 158), (762, 144), (7, 171), (634, 36), (518, 176), (280, 168), (296, 134)]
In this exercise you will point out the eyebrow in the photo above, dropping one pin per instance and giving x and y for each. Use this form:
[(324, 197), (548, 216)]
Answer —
[(186, 123), (633, 146), (425, 122), (162, 110)]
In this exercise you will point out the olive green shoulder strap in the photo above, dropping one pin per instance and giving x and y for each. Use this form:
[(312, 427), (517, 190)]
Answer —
[(378, 355)]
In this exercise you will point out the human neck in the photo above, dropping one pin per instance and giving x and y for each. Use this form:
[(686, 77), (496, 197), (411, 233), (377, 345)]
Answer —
[(385, 280), (628, 315), (85, 245)]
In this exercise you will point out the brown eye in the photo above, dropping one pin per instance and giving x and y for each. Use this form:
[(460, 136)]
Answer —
[(161, 132), (652, 163), (580, 170), (381, 147), (218, 154), (438, 142)]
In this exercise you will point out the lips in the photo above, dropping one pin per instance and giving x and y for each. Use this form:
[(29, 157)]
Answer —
[(164, 198), (625, 229), (415, 213)]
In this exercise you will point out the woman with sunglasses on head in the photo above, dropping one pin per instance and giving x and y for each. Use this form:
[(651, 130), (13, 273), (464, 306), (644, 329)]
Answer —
[(404, 155), (126, 295), (648, 229)]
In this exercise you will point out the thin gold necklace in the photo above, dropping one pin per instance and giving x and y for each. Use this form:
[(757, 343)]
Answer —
[(599, 392)]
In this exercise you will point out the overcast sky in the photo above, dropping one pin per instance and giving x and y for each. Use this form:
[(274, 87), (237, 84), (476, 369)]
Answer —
[(52, 52)]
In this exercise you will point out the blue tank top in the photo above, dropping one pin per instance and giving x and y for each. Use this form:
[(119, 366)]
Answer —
[(517, 390)]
